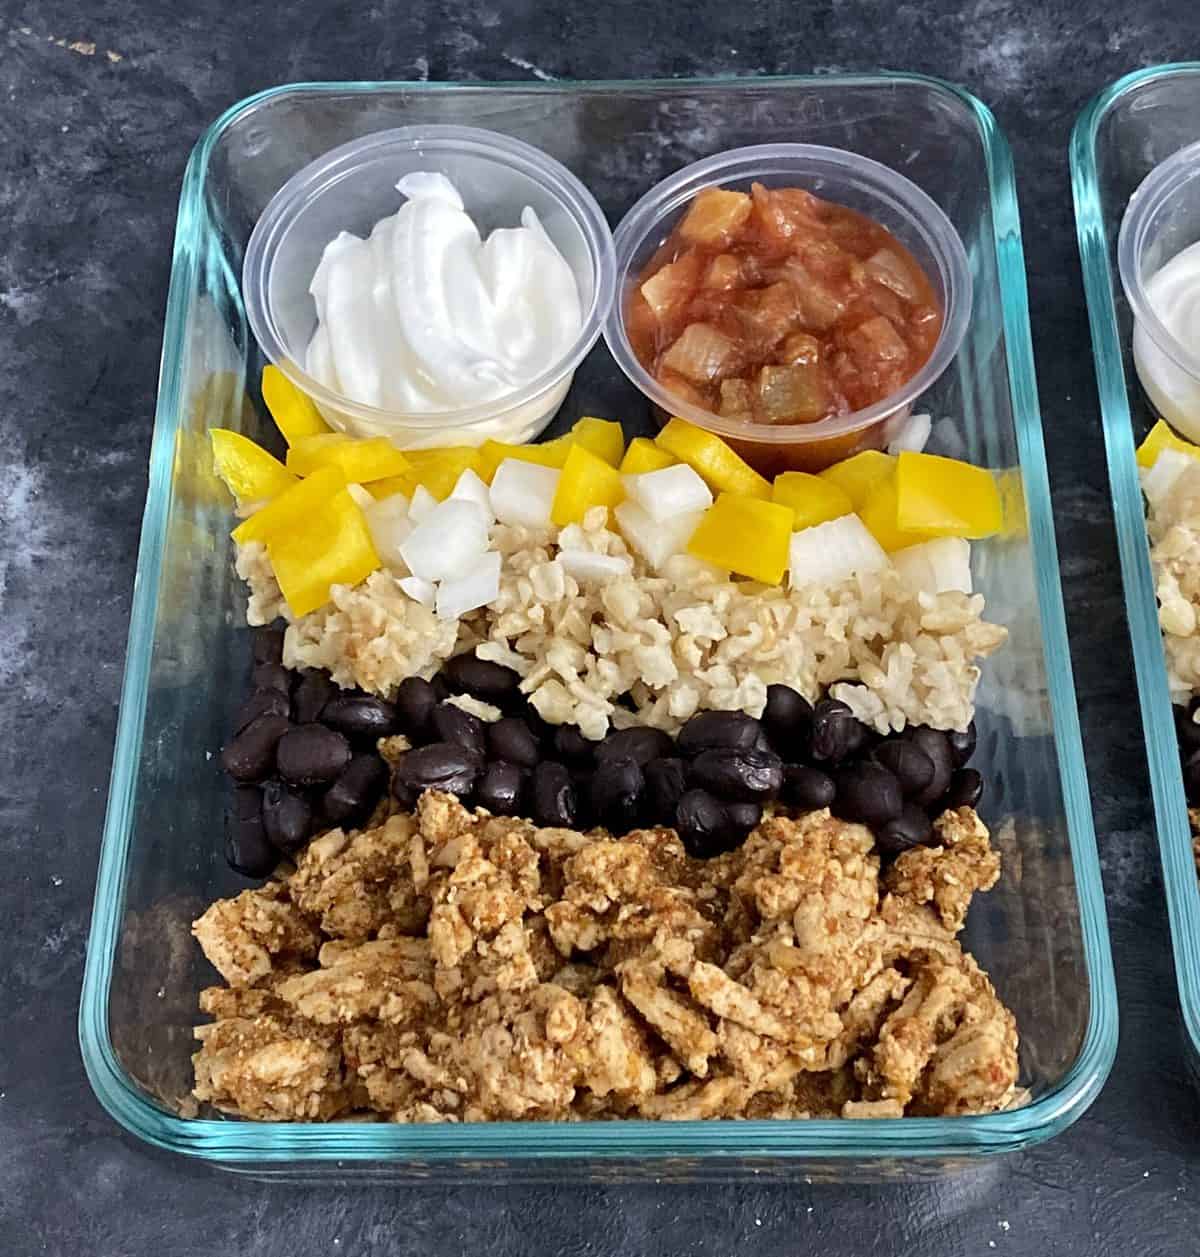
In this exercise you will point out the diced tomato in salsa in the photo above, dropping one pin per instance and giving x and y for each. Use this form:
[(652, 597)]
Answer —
[(777, 307)]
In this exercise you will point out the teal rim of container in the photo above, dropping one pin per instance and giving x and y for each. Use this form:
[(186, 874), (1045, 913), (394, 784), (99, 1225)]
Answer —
[(1141, 605), (246, 1143)]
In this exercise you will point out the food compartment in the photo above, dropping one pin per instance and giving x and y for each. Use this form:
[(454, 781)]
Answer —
[(1129, 131), (1040, 933)]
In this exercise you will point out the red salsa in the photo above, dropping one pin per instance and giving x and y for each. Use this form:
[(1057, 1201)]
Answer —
[(776, 307)]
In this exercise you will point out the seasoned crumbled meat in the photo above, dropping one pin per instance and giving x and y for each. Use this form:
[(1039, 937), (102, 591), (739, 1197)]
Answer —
[(243, 938), (949, 874), (453, 966), (262, 1060)]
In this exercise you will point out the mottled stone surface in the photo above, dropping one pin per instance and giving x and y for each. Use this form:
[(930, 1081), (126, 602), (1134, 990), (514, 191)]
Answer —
[(99, 106)]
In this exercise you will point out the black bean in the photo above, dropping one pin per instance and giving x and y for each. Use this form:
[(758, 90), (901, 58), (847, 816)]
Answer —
[(962, 743), (666, 780), (415, 701), (1191, 779), (835, 734), (1186, 730), (481, 678), (451, 724), (439, 766), (272, 676), (310, 755), (966, 789), (639, 742), (501, 789), (905, 760), (314, 689), (743, 816), (703, 824), (912, 828), (554, 800), (787, 717), (935, 744), (616, 794), (572, 747), (441, 688), (287, 817), (261, 703), (807, 788), (533, 718), (747, 776), (867, 793), (246, 802), (251, 755), (247, 850), (268, 644), (718, 730), (353, 796), (513, 741), (362, 717)]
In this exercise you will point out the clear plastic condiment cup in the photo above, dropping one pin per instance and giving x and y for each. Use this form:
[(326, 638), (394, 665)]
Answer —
[(350, 189), (836, 175), (1161, 219)]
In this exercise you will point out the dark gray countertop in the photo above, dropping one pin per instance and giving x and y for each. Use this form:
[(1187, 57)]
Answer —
[(99, 106)]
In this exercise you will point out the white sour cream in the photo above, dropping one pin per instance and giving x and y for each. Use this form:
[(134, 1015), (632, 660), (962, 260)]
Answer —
[(1174, 294), (425, 315)]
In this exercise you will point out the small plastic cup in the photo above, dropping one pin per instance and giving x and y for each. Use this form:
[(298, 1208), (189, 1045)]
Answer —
[(350, 189), (1161, 220), (835, 175)]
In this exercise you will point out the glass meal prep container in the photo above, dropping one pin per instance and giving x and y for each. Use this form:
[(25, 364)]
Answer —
[(1128, 130), (1041, 932)]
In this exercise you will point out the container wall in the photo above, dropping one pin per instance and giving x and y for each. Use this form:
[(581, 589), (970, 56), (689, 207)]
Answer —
[(1119, 139), (1028, 932)]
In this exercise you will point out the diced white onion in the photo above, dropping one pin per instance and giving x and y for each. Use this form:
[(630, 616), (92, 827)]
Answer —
[(471, 489), (669, 491), (476, 589), (422, 503), (362, 498), (908, 432), (585, 565), (1159, 480), (422, 591), (390, 525), (523, 493), (447, 543), (936, 566), (655, 540), (828, 553)]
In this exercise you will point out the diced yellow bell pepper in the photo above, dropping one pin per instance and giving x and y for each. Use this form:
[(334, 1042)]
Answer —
[(292, 507), (438, 470), (745, 535), (723, 470), (942, 497), (1012, 502), (813, 500), (880, 514), (360, 461), (860, 474), (331, 546), (294, 412), (391, 485), (602, 436), (251, 473), (587, 480), (643, 455), (305, 452), (547, 453), (1159, 438)]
